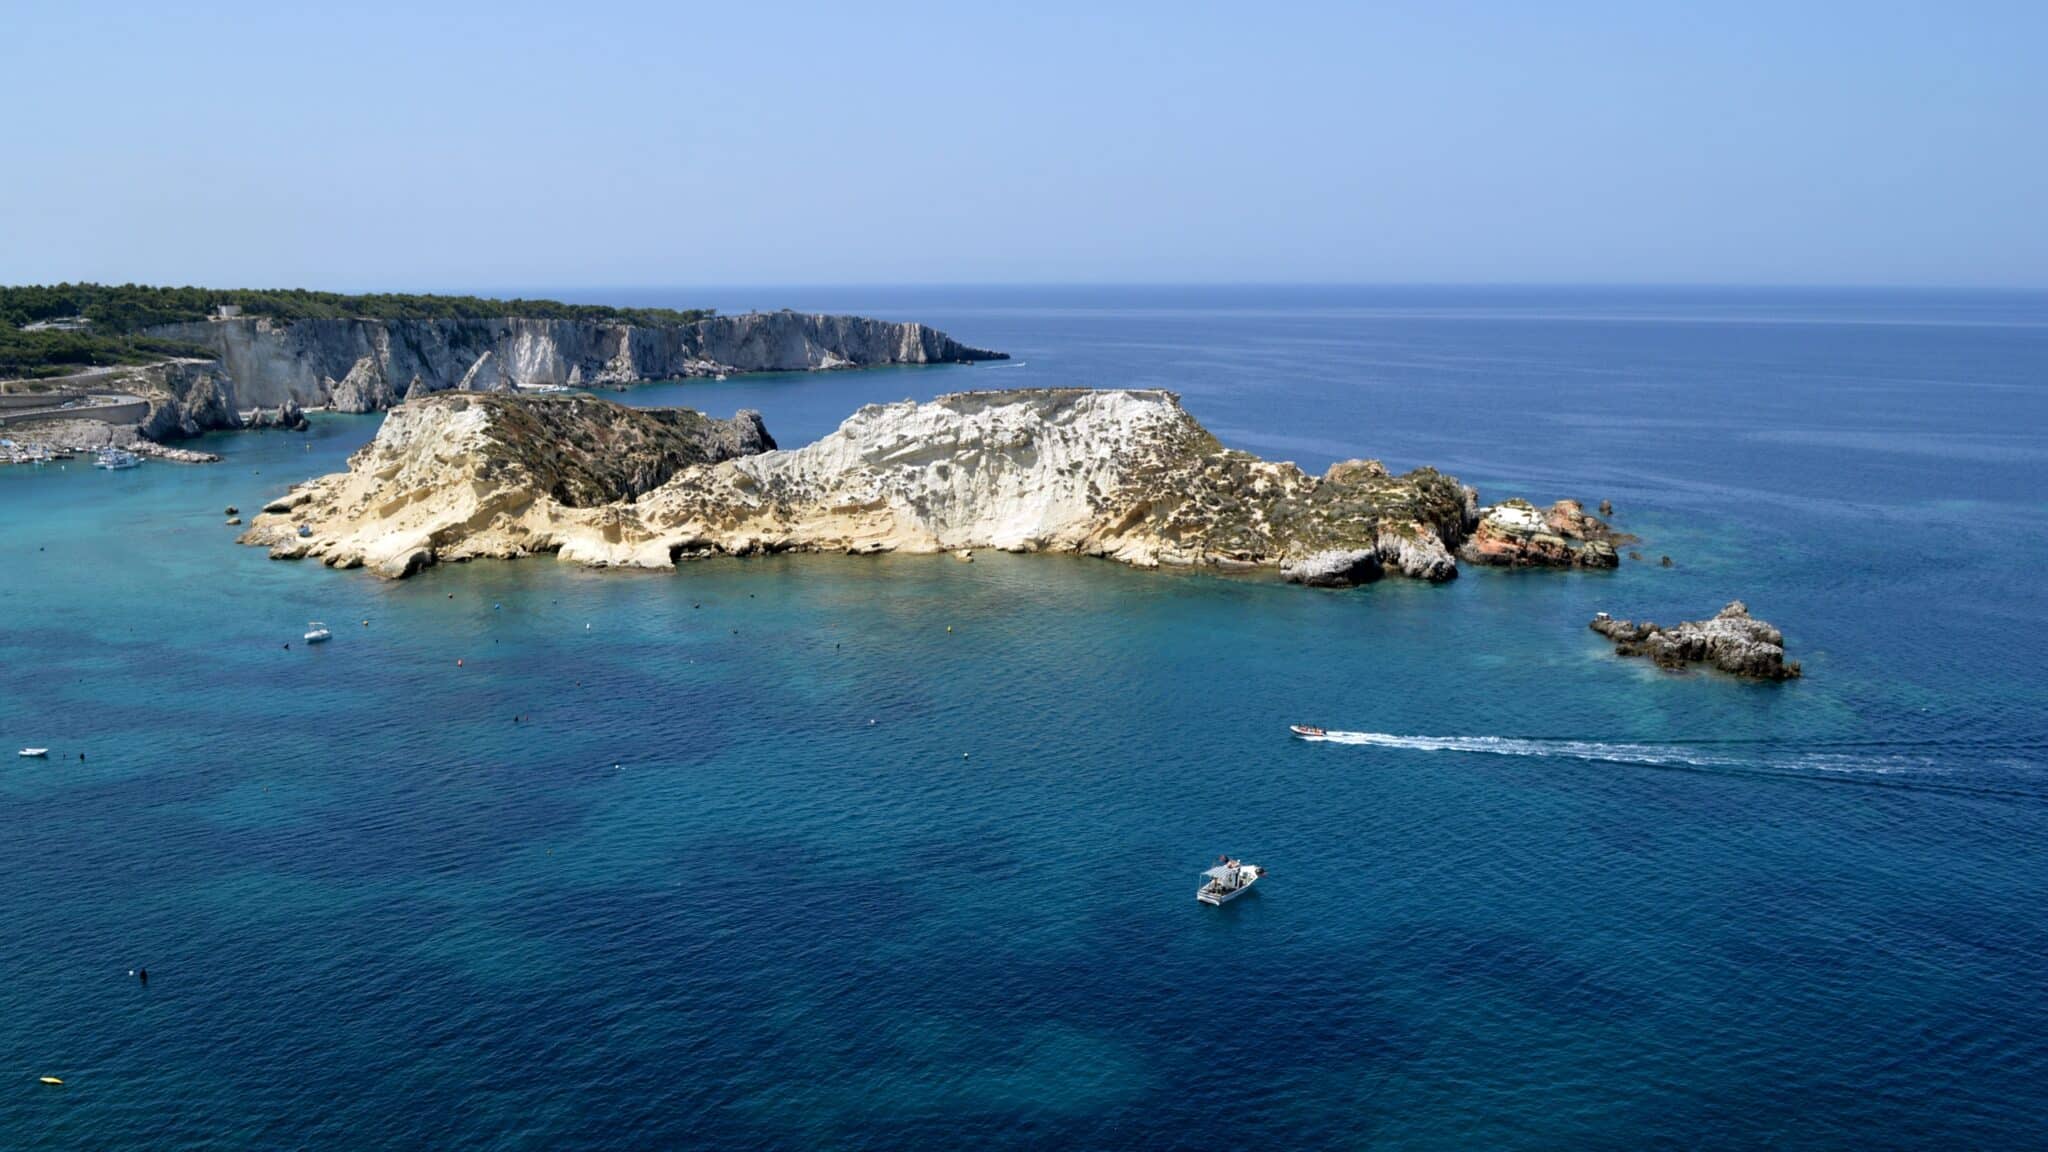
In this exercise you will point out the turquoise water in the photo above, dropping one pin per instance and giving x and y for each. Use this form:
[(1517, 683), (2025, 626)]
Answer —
[(835, 852)]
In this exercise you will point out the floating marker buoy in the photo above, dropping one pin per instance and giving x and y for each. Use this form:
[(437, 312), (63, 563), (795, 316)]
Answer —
[(963, 755), (495, 607), (458, 662), (949, 627)]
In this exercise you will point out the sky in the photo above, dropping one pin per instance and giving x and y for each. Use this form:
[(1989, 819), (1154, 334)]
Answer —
[(463, 146)]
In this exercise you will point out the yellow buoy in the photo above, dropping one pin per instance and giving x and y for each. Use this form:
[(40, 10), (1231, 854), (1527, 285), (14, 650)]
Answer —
[(51, 1080)]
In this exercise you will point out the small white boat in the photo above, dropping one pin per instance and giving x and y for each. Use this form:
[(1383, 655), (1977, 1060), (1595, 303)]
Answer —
[(38, 753), (115, 459), (316, 632), (1306, 731), (1228, 880)]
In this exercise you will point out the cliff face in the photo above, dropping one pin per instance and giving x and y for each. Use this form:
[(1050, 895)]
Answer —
[(1123, 474), (367, 365)]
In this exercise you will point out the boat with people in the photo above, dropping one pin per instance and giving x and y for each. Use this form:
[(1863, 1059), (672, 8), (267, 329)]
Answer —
[(115, 459), (1228, 880), (316, 632), (1306, 731), (35, 753)]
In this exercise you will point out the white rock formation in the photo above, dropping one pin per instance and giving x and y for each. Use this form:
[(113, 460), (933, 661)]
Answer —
[(1123, 474)]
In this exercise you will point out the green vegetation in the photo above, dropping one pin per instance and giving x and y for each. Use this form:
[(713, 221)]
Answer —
[(119, 314)]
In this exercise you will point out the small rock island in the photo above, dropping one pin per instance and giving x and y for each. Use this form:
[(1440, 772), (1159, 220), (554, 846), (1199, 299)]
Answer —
[(1124, 474), (1733, 641)]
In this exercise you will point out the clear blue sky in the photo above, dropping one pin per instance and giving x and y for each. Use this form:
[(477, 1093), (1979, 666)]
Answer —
[(434, 145)]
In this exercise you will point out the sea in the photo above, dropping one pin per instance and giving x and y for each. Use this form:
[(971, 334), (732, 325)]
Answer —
[(901, 852)]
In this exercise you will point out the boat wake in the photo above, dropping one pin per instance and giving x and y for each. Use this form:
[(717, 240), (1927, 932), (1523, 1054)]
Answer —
[(1869, 762)]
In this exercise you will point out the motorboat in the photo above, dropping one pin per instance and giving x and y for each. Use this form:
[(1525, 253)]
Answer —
[(316, 632), (1228, 880), (35, 753), (115, 459), (1306, 731)]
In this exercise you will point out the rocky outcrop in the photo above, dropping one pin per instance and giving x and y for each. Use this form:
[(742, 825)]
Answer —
[(287, 415), (187, 397), (93, 435), (1732, 641), (1127, 475), (370, 365), (1335, 569), (1516, 534)]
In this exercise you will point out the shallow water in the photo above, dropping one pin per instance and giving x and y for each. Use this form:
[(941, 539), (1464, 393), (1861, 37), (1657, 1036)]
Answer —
[(776, 859)]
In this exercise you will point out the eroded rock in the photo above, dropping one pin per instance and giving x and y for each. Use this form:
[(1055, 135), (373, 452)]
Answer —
[(1732, 641)]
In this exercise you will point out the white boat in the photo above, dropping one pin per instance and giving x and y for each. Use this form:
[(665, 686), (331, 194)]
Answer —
[(40, 753), (115, 459), (1228, 880), (316, 632), (546, 389), (1307, 731)]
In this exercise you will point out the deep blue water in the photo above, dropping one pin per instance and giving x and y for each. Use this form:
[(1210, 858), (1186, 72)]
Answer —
[(779, 860)]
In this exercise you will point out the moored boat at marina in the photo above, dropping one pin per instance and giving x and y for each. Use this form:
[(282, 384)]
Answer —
[(115, 459)]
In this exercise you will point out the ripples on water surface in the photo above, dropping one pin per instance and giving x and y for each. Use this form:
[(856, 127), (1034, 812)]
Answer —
[(777, 860)]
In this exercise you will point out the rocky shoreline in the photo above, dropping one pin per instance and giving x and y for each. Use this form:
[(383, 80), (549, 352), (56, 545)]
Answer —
[(1126, 475), (265, 373), (370, 365)]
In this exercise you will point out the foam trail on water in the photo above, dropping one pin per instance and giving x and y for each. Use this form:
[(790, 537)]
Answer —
[(1664, 755)]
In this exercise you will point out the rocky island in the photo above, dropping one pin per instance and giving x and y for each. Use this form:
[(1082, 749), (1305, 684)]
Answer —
[(1733, 641), (1127, 475)]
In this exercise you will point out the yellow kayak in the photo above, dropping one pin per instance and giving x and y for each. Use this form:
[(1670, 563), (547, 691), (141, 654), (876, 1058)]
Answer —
[(51, 1080)]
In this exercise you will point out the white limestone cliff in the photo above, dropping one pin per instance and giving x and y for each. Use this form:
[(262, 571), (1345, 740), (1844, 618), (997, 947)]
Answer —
[(1129, 475)]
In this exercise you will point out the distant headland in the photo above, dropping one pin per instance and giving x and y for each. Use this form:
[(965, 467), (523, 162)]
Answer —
[(102, 363)]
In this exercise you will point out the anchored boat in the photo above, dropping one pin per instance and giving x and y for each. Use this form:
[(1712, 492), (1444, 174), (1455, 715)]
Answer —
[(1228, 880), (115, 459), (316, 632), (36, 753)]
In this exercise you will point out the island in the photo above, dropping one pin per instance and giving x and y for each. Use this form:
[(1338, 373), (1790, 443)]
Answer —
[(1733, 641), (137, 366), (1124, 474)]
